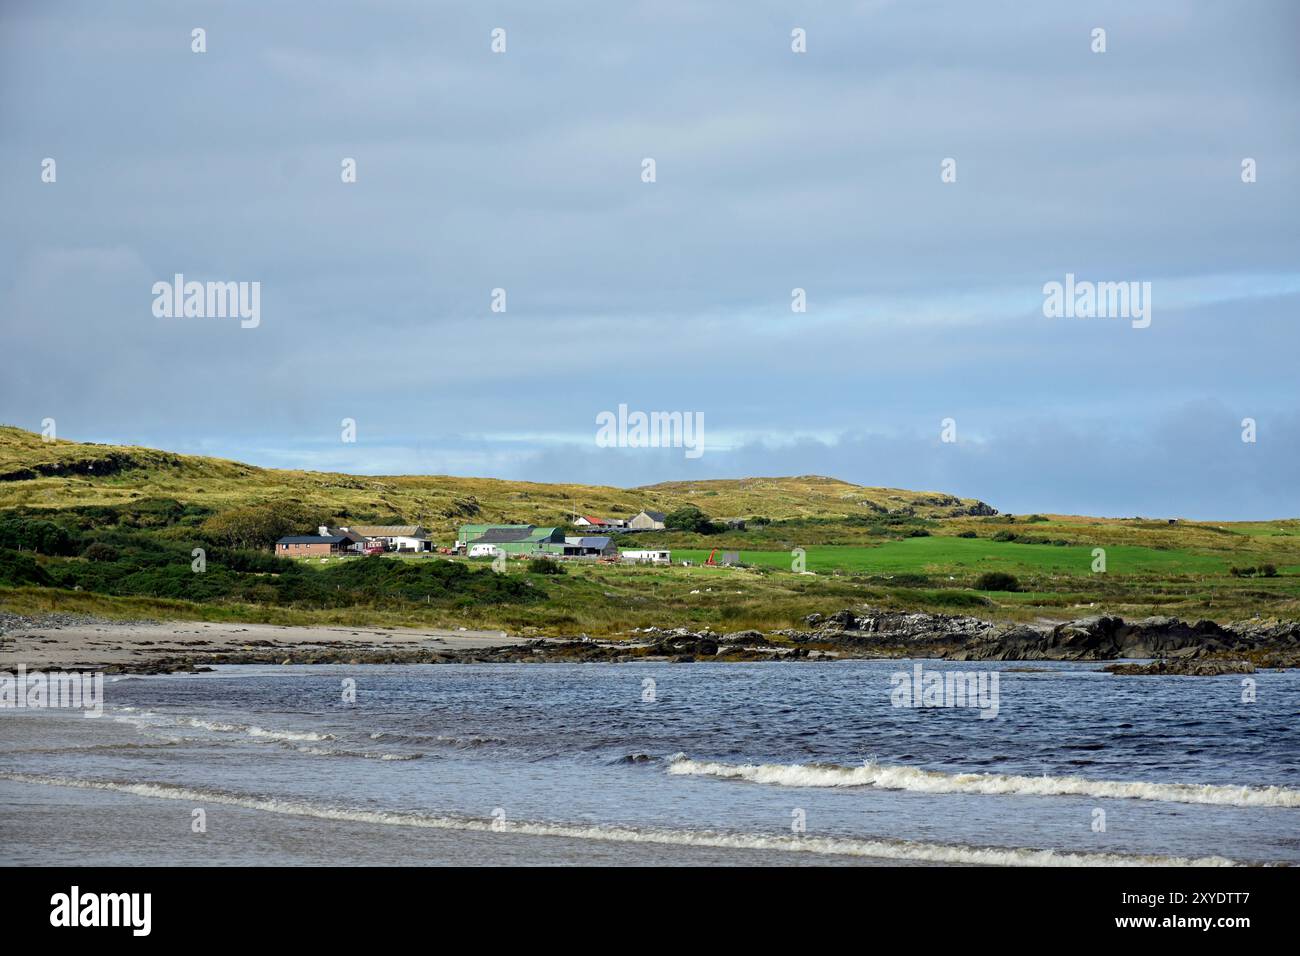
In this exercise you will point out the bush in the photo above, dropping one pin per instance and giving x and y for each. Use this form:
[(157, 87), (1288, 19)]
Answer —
[(33, 534), (1268, 570), (968, 534), (99, 551), (1005, 536), (19, 569), (546, 566), (997, 581)]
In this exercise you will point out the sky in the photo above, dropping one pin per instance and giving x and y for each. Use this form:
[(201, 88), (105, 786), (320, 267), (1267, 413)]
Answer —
[(774, 170)]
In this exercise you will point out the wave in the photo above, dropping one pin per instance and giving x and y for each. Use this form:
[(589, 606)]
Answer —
[(886, 777), (834, 846), (152, 720), (474, 740), (363, 754)]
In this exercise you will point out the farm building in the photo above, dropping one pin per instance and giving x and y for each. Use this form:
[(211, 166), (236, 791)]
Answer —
[(584, 547), (601, 524), (513, 539), (647, 556), (301, 545), (357, 542), (395, 537), (647, 521)]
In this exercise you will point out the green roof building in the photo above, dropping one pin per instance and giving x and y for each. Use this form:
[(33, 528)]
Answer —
[(514, 538)]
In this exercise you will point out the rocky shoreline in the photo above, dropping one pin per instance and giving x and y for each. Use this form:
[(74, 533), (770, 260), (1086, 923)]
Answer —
[(1203, 648)]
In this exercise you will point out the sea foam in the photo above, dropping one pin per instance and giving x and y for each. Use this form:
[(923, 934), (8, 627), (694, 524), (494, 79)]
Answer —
[(887, 777), (883, 849)]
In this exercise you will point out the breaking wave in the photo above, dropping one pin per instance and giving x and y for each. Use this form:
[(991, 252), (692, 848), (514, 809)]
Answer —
[(875, 848), (888, 777), (150, 720)]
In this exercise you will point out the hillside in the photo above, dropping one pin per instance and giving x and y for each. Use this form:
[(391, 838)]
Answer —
[(61, 474), (110, 530)]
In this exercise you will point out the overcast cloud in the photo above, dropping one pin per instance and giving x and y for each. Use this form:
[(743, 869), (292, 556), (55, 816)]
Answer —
[(774, 171)]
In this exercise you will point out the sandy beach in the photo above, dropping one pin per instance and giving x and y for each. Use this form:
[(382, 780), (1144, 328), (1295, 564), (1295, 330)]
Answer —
[(65, 642)]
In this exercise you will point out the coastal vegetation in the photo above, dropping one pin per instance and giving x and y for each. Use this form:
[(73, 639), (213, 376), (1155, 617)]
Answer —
[(117, 531)]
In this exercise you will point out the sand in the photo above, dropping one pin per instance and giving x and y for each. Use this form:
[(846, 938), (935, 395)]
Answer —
[(97, 644)]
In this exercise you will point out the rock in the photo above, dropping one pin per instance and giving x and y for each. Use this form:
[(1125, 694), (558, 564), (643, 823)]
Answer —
[(1186, 667), (752, 638)]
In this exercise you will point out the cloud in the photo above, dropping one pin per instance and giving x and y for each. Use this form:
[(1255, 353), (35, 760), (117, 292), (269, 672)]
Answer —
[(776, 171)]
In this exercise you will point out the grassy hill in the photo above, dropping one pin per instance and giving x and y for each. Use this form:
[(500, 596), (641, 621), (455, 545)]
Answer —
[(111, 530), (62, 474)]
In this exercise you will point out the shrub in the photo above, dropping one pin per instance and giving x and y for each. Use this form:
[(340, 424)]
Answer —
[(99, 551), (546, 566), (997, 581), (1268, 570), (33, 534), (909, 581), (19, 569), (968, 534), (1005, 536)]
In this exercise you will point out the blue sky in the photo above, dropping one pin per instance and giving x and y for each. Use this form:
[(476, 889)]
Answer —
[(775, 170)]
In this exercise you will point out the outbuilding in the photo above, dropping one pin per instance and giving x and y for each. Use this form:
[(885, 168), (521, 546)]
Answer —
[(646, 556), (647, 521)]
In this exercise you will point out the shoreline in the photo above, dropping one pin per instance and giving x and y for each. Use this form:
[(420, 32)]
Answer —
[(73, 642)]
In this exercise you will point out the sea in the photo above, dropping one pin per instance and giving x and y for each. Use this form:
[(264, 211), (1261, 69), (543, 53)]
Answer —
[(830, 763)]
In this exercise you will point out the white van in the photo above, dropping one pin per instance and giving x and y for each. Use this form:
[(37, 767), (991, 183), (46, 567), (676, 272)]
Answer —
[(484, 551)]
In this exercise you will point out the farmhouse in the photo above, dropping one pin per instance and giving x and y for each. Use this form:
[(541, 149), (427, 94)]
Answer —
[(394, 537), (647, 521), (296, 546), (590, 521)]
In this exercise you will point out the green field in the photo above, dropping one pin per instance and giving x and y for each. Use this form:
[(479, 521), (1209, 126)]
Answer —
[(942, 555)]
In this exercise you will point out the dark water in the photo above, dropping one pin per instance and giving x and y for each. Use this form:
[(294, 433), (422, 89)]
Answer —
[(770, 763)]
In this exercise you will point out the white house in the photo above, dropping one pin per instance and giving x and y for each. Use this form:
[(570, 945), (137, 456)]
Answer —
[(640, 556)]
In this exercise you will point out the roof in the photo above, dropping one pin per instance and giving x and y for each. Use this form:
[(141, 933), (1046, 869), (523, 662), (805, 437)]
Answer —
[(654, 515), (592, 519), (542, 534), (599, 543), (313, 539), (503, 535), (389, 530)]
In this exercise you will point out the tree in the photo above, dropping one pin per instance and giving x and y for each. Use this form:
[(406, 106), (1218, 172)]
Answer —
[(690, 518), (258, 526)]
